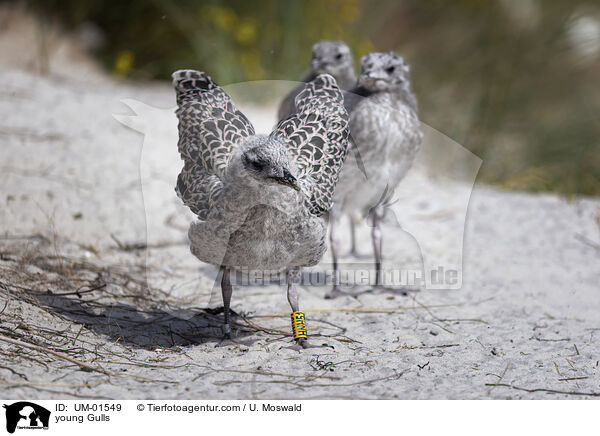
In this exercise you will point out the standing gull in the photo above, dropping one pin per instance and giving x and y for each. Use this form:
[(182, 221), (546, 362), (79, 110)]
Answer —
[(385, 137), (328, 57), (261, 201), (334, 58)]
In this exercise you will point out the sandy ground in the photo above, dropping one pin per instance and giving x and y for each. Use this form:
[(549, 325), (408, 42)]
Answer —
[(88, 211)]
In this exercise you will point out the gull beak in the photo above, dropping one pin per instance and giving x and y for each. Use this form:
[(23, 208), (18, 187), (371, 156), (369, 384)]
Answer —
[(288, 180), (371, 76)]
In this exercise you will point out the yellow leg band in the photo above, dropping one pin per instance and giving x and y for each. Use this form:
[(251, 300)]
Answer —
[(298, 325)]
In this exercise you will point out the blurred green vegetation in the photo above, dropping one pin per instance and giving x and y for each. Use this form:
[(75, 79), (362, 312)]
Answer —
[(511, 80)]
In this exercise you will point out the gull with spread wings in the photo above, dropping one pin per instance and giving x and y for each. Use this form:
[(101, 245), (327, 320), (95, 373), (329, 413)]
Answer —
[(261, 200)]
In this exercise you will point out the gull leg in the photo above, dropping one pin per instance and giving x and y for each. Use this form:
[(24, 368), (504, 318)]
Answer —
[(298, 327), (353, 248), (334, 240), (226, 292), (376, 236), (353, 240), (335, 245), (377, 247)]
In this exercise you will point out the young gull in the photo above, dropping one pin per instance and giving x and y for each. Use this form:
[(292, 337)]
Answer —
[(262, 201), (328, 57), (385, 137)]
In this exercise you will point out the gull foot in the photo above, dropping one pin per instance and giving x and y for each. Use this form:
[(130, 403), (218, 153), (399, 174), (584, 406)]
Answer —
[(357, 255), (380, 289), (303, 344), (218, 310), (337, 292), (228, 339)]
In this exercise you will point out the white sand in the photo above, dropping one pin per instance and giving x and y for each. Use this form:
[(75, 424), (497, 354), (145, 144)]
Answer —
[(526, 315)]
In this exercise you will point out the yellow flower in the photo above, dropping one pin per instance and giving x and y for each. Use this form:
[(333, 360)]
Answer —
[(225, 18), (124, 62), (246, 32)]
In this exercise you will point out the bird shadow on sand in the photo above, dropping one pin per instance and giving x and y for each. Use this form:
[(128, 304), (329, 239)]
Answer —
[(112, 302), (146, 327)]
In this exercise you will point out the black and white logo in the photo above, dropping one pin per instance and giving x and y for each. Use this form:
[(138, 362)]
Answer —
[(26, 415)]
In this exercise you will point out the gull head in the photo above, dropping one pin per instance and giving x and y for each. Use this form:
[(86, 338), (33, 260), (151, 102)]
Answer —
[(267, 160), (384, 72), (331, 57)]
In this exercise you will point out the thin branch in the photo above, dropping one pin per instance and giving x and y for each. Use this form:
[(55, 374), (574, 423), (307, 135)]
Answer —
[(551, 391), (40, 349)]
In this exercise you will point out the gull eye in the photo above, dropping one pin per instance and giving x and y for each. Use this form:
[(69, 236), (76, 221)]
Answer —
[(390, 70), (250, 163), (338, 56)]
